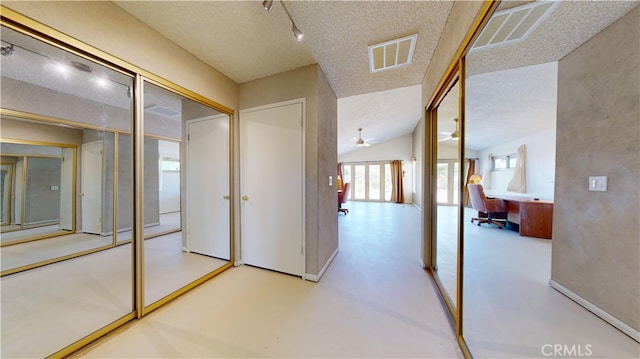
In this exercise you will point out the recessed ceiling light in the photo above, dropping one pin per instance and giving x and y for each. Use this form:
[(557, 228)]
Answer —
[(82, 67)]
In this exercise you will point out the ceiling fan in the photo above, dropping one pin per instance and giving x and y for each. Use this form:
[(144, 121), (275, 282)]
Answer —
[(450, 135), (360, 141)]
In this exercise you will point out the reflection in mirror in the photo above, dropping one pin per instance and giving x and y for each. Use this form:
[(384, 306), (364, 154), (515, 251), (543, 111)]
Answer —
[(44, 208), (48, 201), (447, 192), (61, 116), (530, 92), (196, 189)]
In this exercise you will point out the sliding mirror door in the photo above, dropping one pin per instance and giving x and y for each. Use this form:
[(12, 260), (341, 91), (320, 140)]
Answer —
[(187, 194), (62, 116), (554, 108), (446, 198)]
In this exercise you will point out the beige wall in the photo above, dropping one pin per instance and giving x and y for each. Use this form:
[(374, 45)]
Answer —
[(596, 247), (327, 197), (105, 26), (321, 229), (418, 136)]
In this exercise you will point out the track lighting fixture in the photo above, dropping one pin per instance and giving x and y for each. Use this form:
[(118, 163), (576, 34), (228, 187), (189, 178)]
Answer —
[(268, 5), (296, 32), (7, 50)]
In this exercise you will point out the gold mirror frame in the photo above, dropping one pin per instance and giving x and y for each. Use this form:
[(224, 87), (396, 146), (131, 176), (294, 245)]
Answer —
[(456, 70), (25, 25)]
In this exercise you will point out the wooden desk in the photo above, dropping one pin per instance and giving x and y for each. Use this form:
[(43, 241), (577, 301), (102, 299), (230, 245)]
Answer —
[(533, 218)]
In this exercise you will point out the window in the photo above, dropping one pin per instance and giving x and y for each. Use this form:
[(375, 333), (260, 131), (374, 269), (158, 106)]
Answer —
[(170, 164), (499, 163), (387, 182), (370, 181), (374, 182), (447, 172)]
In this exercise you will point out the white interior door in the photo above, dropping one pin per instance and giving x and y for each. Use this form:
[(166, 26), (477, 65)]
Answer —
[(92, 187), (66, 190), (208, 204), (272, 187)]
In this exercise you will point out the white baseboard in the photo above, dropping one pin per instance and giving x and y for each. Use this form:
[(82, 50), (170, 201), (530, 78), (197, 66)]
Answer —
[(316, 278), (634, 334), (238, 263)]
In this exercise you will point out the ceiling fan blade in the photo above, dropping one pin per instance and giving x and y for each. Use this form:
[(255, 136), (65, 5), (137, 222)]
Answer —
[(445, 139)]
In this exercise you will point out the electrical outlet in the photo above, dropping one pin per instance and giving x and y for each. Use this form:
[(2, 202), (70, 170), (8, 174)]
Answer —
[(598, 183)]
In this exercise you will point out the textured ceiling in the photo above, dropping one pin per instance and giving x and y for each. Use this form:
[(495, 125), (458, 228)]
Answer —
[(245, 42), (511, 89)]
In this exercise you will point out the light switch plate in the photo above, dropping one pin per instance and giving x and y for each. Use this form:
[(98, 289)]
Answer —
[(598, 183), (330, 181)]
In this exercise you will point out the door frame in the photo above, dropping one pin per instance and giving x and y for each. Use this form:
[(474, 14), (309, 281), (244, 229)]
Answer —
[(67, 184), (241, 141)]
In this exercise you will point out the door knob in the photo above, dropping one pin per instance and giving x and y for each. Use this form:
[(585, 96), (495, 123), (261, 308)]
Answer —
[(245, 198), (226, 197)]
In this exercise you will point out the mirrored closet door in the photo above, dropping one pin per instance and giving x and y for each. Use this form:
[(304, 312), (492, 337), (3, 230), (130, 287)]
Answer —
[(445, 175), (187, 193), (61, 120)]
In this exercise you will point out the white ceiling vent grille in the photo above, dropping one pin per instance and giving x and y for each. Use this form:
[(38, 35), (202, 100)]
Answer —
[(391, 54), (513, 24), (162, 111)]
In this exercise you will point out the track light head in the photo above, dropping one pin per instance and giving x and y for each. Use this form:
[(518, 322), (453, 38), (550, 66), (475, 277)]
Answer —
[(7, 50), (268, 5), (296, 32)]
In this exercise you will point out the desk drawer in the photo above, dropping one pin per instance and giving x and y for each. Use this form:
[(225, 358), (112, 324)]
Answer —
[(513, 212)]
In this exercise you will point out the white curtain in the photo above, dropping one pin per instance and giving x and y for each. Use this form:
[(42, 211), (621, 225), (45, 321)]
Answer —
[(486, 180), (519, 181)]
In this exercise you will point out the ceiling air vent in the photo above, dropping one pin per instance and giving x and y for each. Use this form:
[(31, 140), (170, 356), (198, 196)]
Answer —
[(513, 24), (391, 54), (162, 111)]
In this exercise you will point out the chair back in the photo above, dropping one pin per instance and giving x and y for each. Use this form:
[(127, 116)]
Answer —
[(344, 196), (477, 197)]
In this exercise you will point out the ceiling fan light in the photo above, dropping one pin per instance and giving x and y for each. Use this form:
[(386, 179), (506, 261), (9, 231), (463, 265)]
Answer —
[(360, 142)]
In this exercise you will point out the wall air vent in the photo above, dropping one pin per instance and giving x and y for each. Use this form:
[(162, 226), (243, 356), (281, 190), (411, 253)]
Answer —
[(162, 111), (391, 54), (513, 24)]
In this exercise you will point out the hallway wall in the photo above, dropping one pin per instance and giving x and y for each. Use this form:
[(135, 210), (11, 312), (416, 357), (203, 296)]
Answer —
[(595, 234), (321, 225)]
